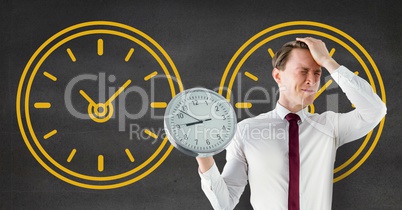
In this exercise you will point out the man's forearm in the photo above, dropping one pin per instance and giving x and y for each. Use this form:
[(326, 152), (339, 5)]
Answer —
[(331, 65)]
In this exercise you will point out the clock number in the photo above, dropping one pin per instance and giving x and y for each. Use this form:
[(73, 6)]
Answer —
[(219, 137), (196, 141), (195, 102), (185, 137), (180, 115), (217, 108), (208, 143), (184, 108), (177, 126), (224, 117), (206, 103)]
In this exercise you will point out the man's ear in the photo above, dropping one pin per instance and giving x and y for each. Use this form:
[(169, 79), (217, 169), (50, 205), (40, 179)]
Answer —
[(276, 75)]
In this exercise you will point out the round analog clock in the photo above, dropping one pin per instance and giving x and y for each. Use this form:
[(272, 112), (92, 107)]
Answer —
[(88, 108), (200, 122)]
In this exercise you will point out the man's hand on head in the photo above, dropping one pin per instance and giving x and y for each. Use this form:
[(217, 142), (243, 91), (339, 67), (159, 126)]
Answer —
[(320, 53)]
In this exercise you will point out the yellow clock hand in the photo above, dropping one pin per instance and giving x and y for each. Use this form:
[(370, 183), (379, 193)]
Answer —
[(102, 112), (87, 97), (117, 93)]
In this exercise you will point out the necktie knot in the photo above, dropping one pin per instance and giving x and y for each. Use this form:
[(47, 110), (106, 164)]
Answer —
[(292, 117)]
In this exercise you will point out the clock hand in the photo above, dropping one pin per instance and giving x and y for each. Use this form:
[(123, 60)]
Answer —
[(193, 123), (198, 122), (89, 99), (117, 93), (102, 112), (190, 116)]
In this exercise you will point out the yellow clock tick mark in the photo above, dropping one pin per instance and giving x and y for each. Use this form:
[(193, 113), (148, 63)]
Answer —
[(100, 163), (70, 157), (129, 155), (331, 53), (251, 76), (129, 54), (149, 76), (71, 54), (42, 105), (159, 105), (271, 53), (149, 133), (100, 47), (243, 105), (50, 76), (50, 134)]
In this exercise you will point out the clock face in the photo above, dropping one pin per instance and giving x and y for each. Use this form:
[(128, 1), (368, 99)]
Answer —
[(88, 108), (200, 122)]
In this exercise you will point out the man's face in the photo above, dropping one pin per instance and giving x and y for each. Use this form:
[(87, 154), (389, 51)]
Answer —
[(300, 79)]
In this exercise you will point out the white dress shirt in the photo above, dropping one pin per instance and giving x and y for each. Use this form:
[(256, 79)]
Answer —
[(259, 151)]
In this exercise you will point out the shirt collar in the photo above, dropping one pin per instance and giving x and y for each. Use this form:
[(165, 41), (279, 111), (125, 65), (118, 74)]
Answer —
[(282, 112)]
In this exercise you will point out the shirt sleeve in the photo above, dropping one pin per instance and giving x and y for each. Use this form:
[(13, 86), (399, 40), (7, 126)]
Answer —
[(369, 109), (224, 190)]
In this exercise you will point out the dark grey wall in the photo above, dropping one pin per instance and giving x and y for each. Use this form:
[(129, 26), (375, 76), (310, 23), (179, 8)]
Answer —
[(200, 37)]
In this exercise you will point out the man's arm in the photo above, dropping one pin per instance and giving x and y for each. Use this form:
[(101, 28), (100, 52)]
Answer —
[(224, 190), (369, 107)]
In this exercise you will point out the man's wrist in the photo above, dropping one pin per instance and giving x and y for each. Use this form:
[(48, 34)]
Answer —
[(205, 163), (331, 65)]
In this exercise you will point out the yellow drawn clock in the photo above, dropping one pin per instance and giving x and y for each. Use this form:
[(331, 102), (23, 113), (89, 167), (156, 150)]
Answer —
[(87, 104), (247, 82)]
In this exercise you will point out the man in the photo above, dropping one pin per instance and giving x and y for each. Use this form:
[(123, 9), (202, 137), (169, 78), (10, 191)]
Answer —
[(278, 180)]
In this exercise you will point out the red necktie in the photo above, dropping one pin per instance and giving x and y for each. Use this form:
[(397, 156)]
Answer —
[(294, 162)]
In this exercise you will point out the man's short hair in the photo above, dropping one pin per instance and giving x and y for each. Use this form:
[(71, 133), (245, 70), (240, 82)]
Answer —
[(281, 56)]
